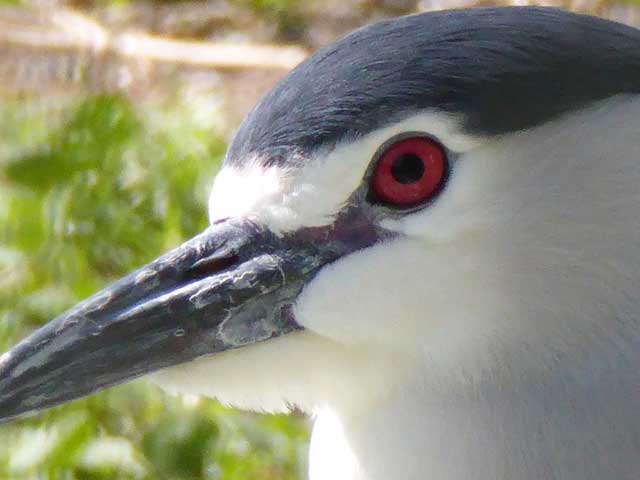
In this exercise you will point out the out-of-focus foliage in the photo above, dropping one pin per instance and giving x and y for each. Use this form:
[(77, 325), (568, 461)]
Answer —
[(88, 191), (287, 15)]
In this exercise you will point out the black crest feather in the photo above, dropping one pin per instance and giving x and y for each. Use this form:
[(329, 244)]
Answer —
[(501, 69)]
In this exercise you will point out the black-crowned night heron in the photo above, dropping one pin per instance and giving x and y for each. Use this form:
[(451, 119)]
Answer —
[(428, 236)]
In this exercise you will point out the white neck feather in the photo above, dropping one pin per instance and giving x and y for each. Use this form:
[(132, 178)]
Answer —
[(576, 422)]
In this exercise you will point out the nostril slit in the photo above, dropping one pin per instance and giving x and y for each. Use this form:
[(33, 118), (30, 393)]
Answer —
[(212, 265)]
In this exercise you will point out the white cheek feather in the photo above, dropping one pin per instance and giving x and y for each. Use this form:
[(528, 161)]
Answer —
[(238, 193), (312, 195), (301, 369)]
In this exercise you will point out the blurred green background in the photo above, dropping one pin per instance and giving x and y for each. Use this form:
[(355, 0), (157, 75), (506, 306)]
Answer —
[(106, 157)]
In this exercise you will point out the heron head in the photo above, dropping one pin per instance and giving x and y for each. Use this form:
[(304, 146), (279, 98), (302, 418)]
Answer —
[(422, 200)]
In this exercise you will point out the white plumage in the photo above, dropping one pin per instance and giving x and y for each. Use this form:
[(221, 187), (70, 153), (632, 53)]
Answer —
[(495, 340)]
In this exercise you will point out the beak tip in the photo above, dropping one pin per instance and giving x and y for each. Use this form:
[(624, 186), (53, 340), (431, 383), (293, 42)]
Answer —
[(19, 394), (9, 405)]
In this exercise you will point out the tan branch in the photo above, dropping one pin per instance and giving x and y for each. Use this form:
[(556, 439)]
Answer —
[(64, 29)]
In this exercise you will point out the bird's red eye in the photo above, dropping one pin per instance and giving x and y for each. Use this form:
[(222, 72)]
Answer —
[(410, 171)]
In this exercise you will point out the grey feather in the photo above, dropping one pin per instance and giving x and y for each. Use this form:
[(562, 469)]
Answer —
[(503, 70)]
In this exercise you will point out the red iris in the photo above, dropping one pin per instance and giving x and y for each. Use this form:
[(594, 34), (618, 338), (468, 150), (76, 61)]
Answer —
[(409, 172)]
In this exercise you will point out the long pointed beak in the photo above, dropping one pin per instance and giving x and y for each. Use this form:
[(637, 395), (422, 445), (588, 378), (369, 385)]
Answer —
[(231, 286)]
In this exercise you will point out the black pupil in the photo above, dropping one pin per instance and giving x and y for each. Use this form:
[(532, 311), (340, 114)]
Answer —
[(407, 168)]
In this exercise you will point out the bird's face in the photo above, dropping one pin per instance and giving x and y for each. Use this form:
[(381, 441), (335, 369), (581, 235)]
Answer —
[(368, 313), (401, 210), (505, 268)]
